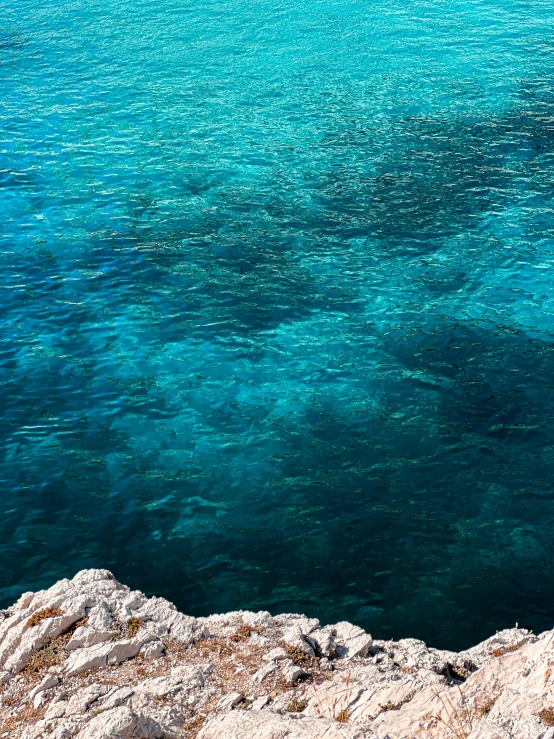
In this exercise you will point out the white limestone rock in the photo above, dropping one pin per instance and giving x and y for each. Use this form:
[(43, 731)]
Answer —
[(230, 701), (260, 619), (56, 710), (268, 725), (122, 723), (260, 702), (185, 629), (46, 730), (132, 602), (264, 671), (22, 640), (106, 654), (503, 641), (323, 641), (153, 650), (99, 628), (351, 641), (81, 701), (115, 698), (296, 630), (306, 625), (291, 672), (385, 689), (48, 682), (294, 637), (276, 654)]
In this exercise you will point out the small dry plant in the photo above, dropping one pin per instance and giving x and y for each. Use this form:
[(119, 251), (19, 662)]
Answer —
[(297, 705), (390, 706), (338, 713), (245, 632), (27, 716), (193, 726), (9, 701), (501, 651), (132, 627), (299, 657), (484, 708), (459, 720), (39, 616), (53, 652), (547, 716)]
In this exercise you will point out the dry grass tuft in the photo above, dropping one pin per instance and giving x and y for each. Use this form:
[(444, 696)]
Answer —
[(208, 647), (343, 716), (300, 658), (484, 708), (547, 716), (133, 627), (192, 727), (27, 716), (39, 616), (245, 632), (501, 651), (53, 652), (297, 705), (459, 719), (408, 670)]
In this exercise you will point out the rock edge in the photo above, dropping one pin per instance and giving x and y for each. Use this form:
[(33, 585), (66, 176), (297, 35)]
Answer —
[(90, 658)]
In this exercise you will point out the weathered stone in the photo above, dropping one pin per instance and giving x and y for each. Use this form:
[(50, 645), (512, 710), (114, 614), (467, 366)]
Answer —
[(229, 701), (185, 629), (259, 703), (46, 730), (122, 723), (323, 641), (99, 628), (264, 671), (351, 640), (261, 619), (268, 725), (159, 687), (306, 625), (294, 637), (106, 654), (25, 639), (56, 710), (291, 672), (115, 698), (502, 688), (153, 650), (83, 699), (276, 654), (48, 682)]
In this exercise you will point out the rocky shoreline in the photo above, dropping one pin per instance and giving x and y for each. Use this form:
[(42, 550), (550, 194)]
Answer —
[(91, 659)]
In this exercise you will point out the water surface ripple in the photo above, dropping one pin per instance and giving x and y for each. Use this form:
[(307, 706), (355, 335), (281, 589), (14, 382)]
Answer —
[(277, 306)]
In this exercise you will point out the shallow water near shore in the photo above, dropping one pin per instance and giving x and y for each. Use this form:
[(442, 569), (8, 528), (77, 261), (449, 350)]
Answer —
[(277, 306)]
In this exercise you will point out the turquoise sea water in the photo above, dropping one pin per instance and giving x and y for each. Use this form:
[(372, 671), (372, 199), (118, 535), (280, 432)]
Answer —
[(277, 306)]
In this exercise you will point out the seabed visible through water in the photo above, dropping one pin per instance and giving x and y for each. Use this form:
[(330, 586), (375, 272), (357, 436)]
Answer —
[(277, 306)]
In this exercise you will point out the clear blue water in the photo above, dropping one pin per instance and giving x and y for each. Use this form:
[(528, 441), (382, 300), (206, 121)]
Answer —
[(277, 306)]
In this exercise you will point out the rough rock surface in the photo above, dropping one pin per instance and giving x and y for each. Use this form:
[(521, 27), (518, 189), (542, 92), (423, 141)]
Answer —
[(91, 659)]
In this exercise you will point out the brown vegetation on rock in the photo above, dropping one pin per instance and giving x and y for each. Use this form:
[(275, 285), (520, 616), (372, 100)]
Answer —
[(155, 672), (39, 616)]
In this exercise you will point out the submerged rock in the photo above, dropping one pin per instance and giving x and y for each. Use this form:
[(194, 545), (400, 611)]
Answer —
[(91, 659)]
